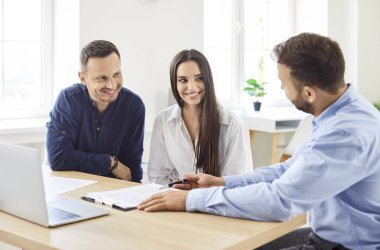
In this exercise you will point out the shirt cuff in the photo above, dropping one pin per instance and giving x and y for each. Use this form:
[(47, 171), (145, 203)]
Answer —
[(196, 199), (105, 165)]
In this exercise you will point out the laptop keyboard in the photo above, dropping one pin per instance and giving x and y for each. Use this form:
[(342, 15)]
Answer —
[(57, 214)]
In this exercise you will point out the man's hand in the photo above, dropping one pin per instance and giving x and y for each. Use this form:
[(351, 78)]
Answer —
[(200, 181), (122, 172), (174, 200)]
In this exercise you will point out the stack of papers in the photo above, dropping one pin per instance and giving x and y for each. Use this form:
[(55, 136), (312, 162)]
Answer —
[(58, 185)]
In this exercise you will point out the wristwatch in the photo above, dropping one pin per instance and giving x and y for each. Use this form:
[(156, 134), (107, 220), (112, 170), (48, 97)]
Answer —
[(114, 163)]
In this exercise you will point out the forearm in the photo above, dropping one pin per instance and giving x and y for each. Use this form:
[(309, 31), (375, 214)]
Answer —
[(76, 160), (262, 174), (136, 173), (131, 157), (219, 181), (240, 203)]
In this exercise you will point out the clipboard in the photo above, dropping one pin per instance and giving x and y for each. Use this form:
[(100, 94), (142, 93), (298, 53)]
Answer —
[(99, 202), (124, 199)]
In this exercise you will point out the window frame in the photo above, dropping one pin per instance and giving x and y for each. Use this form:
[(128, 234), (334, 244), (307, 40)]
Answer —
[(47, 55), (46, 70), (238, 51)]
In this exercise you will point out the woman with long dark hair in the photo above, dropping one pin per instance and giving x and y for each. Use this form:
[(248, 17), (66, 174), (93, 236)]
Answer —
[(196, 134)]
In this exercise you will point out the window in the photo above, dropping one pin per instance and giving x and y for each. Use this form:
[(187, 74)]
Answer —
[(239, 36), (24, 50)]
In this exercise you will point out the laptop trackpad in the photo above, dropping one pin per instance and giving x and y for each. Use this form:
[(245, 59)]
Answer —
[(62, 210)]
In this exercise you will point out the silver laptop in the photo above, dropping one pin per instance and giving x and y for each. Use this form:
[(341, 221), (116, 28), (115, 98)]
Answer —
[(22, 191)]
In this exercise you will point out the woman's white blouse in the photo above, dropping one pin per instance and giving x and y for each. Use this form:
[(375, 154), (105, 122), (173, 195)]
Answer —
[(172, 154)]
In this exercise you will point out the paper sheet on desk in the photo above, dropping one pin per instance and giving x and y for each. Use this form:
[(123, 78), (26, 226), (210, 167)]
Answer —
[(126, 198), (58, 185)]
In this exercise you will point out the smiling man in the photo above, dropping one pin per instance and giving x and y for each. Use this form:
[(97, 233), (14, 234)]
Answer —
[(97, 126)]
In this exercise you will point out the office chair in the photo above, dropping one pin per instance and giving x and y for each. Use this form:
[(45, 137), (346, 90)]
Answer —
[(302, 132)]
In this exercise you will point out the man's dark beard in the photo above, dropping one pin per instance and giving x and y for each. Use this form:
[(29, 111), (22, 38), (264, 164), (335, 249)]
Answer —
[(303, 105)]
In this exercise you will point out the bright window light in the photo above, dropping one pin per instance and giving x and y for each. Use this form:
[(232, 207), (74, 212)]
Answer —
[(239, 36), (22, 50)]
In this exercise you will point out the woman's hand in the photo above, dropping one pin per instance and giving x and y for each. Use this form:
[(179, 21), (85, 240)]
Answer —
[(200, 181)]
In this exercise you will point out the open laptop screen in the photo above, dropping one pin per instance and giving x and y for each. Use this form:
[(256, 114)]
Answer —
[(22, 189)]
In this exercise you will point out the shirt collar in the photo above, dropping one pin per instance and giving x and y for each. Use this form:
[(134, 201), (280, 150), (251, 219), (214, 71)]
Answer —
[(348, 96), (175, 113)]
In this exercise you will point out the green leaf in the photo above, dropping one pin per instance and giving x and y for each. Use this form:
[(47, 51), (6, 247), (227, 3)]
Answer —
[(255, 88), (377, 105), (252, 82)]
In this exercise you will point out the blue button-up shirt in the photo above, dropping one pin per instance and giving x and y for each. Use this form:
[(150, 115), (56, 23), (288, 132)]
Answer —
[(82, 139), (335, 176)]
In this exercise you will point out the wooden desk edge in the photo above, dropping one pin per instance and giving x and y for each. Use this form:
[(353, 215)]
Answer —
[(263, 239), (22, 242)]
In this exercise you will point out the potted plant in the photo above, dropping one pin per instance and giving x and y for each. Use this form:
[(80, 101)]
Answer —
[(377, 105), (256, 89)]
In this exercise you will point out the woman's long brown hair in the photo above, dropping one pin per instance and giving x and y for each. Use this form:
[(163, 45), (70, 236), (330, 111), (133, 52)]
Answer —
[(207, 148)]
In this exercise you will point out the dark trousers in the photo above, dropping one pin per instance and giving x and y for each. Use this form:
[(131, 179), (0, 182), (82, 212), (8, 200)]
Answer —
[(301, 239)]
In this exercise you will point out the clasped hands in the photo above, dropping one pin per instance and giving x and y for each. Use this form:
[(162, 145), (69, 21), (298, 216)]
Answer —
[(175, 200)]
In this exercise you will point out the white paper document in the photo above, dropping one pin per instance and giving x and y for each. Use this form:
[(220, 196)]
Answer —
[(59, 185), (126, 198)]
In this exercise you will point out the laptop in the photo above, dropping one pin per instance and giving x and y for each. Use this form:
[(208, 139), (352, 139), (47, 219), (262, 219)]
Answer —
[(22, 191)]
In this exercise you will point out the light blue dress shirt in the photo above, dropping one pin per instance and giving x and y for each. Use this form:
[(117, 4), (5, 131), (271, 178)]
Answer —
[(335, 176)]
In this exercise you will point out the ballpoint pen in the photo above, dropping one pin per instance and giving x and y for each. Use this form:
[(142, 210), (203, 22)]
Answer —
[(183, 181)]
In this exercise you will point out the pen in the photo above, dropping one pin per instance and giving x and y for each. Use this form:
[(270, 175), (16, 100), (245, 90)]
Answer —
[(183, 181)]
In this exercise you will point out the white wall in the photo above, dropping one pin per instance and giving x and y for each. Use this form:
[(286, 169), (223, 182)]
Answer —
[(369, 49), (354, 25), (148, 34), (311, 16), (343, 27), (336, 19), (66, 44)]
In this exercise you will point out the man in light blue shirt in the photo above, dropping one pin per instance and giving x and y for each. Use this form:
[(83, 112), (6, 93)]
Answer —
[(334, 176)]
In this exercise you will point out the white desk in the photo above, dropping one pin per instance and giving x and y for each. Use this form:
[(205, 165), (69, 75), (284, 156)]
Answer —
[(273, 120)]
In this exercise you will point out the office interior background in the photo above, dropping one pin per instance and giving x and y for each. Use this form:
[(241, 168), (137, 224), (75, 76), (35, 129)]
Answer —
[(40, 52)]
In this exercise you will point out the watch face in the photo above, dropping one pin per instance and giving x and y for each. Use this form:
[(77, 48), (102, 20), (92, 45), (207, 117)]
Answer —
[(114, 162)]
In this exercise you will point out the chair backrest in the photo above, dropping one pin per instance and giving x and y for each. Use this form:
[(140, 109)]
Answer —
[(302, 132)]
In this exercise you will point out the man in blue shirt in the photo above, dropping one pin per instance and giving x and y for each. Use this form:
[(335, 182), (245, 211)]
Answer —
[(97, 126), (334, 176)]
